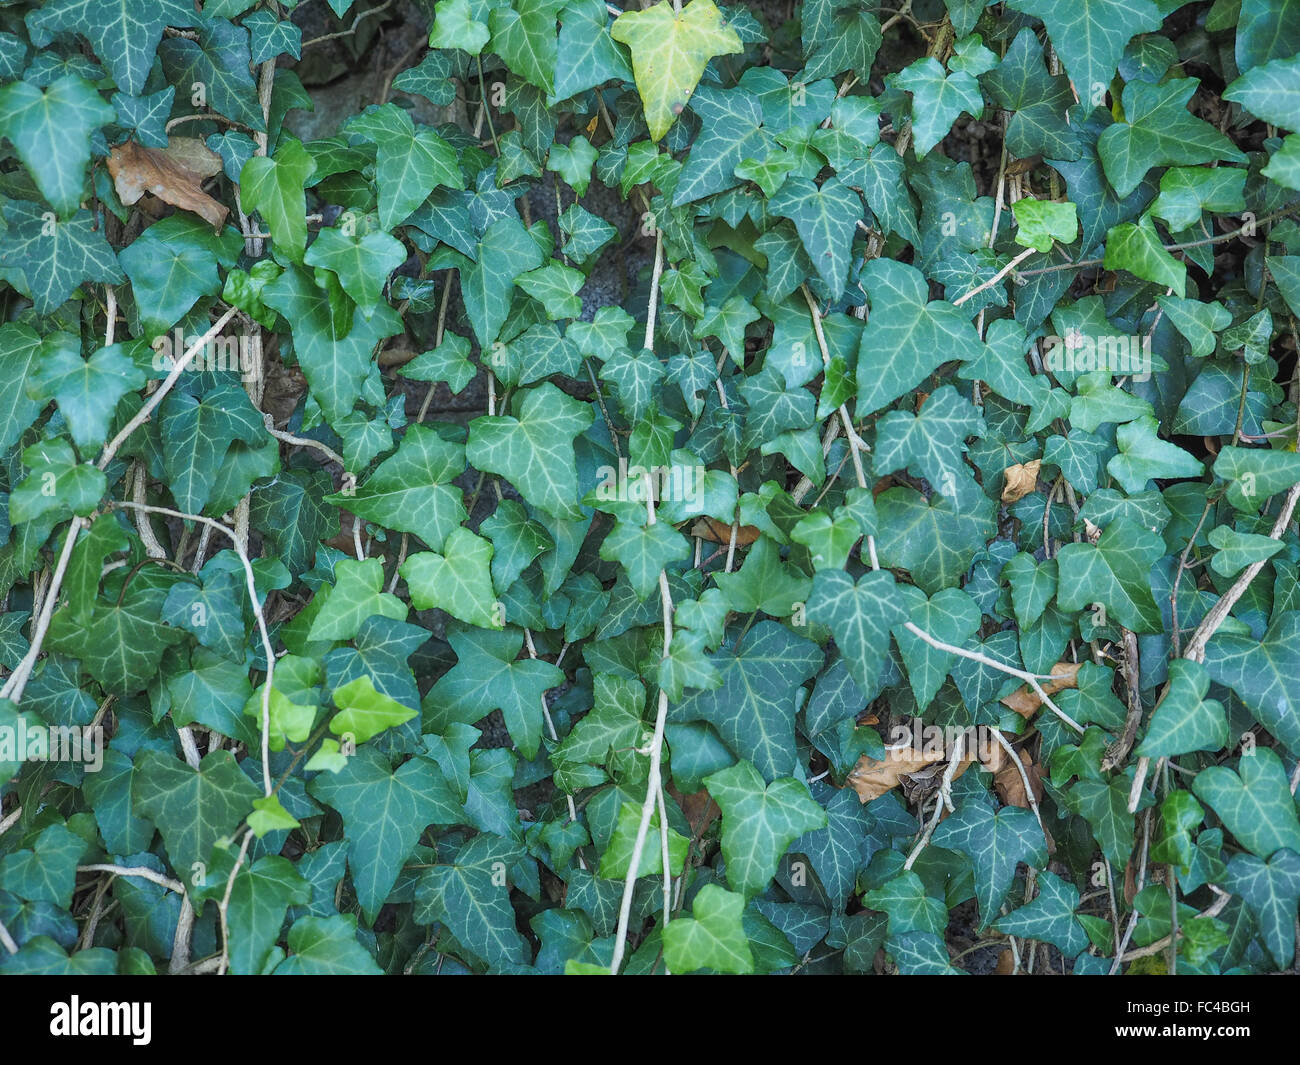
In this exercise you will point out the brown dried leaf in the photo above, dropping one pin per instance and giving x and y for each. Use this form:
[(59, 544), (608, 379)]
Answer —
[(926, 780), (720, 532), (871, 778), (195, 156), (1025, 701), (1006, 965), (398, 355), (699, 808), (167, 175), (1021, 479), (1011, 787), (1023, 166)]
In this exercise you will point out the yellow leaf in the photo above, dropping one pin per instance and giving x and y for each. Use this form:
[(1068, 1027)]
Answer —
[(669, 53)]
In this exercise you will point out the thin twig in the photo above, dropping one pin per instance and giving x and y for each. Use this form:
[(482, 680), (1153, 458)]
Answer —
[(995, 278), (267, 648), (655, 783), (1218, 613)]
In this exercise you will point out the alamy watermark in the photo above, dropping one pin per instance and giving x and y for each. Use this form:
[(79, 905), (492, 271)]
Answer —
[(634, 484), (933, 742), (77, 1018), (31, 742), (1079, 352), (241, 354)]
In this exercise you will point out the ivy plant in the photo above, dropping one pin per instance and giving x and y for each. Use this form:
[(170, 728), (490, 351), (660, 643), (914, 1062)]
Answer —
[(543, 486)]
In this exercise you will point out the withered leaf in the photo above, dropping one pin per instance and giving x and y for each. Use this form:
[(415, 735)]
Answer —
[(168, 173), (1009, 784), (720, 532), (1025, 701), (871, 778), (1020, 479)]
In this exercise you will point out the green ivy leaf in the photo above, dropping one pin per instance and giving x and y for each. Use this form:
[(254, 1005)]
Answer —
[(825, 219), (365, 712), (355, 596), (487, 677), (454, 26), (51, 128), (1090, 36), (670, 52), (759, 822), (273, 186), (335, 355), (384, 812), (54, 257), (937, 100), (87, 390), (1184, 720), (860, 615), (1271, 890), (1137, 248), (409, 163), (534, 449), (1143, 456), (472, 897), (907, 336), (1261, 671), (193, 808), (362, 262), (1159, 130), (1041, 222), (1254, 802), (326, 946), (753, 707), (196, 435), (1115, 572), (712, 938), (458, 581), (995, 842), (1049, 918), (934, 539)]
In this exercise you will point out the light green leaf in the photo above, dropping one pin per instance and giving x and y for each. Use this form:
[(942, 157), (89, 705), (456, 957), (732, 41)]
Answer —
[(362, 262), (365, 712), (454, 26), (670, 52), (1041, 222), (759, 822), (273, 186), (355, 596), (459, 580), (1143, 456)]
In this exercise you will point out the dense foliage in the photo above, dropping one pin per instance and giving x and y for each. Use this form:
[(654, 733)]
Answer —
[(834, 462)]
